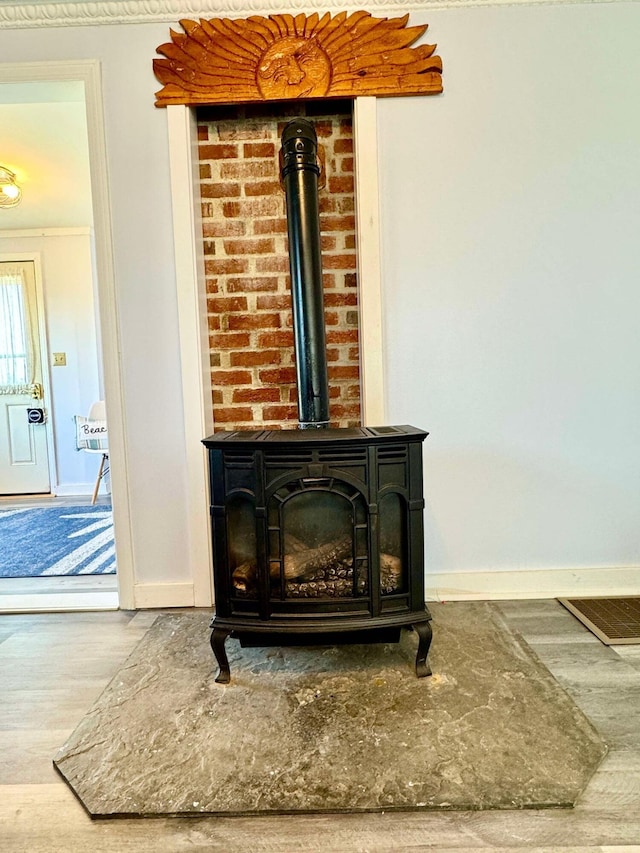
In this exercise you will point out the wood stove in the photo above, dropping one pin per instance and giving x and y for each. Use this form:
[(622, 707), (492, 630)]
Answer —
[(317, 533), (317, 537)]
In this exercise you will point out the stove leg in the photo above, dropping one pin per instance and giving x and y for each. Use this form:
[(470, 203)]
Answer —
[(218, 638), (424, 632)]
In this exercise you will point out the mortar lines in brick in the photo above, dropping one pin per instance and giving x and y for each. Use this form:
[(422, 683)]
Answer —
[(246, 264)]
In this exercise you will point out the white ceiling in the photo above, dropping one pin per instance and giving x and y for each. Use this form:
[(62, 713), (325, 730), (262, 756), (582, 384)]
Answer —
[(43, 139)]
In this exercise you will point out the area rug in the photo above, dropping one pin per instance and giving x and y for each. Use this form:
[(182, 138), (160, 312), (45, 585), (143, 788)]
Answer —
[(52, 541), (331, 729)]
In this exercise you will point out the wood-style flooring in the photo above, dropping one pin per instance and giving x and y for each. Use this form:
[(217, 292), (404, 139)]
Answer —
[(53, 666)]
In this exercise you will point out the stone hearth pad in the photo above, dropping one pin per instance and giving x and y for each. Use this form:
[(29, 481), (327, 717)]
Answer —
[(337, 729)]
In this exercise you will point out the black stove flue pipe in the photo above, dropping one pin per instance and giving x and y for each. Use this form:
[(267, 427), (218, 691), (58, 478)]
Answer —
[(299, 174)]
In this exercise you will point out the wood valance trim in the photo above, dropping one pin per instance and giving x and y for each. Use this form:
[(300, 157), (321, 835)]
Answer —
[(286, 57)]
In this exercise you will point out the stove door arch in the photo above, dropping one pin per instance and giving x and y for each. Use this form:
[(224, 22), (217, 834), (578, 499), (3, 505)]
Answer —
[(319, 545)]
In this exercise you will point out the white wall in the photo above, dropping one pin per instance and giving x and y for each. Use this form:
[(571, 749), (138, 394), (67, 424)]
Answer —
[(511, 300), (71, 328), (46, 144), (509, 237)]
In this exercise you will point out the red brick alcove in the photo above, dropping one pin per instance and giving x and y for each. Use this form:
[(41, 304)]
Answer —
[(247, 265)]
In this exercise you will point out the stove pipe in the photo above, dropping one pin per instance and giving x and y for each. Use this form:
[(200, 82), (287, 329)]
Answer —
[(299, 173)]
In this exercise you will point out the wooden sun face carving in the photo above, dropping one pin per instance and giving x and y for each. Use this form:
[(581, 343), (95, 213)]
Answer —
[(294, 67), (280, 58)]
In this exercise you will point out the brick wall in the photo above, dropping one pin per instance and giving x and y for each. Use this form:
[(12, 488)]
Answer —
[(247, 265)]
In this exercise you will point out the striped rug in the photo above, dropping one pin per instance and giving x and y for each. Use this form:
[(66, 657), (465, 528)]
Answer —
[(56, 541)]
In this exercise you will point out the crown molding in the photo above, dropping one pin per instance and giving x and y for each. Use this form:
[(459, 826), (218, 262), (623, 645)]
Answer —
[(78, 13)]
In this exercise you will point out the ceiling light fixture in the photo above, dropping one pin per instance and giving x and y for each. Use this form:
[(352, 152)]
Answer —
[(10, 192)]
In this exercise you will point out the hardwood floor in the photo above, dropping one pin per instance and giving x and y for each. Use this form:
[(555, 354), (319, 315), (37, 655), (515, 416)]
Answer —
[(53, 666)]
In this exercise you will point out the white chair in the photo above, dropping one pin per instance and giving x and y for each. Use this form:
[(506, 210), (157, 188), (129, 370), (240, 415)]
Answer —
[(92, 437)]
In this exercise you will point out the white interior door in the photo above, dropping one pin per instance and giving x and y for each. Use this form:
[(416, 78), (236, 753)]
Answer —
[(24, 459)]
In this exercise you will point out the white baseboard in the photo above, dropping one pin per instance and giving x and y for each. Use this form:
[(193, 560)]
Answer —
[(461, 586), (149, 595), (443, 586), (71, 490), (540, 583)]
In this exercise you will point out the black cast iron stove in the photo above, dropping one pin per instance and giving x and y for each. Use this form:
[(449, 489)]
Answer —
[(317, 533)]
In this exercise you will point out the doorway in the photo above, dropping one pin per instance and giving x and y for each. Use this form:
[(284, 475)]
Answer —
[(64, 209)]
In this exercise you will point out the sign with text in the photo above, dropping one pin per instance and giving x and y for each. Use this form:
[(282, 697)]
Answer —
[(91, 434)]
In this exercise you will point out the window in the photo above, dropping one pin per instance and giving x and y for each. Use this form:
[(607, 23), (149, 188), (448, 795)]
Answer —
[(16, 346)]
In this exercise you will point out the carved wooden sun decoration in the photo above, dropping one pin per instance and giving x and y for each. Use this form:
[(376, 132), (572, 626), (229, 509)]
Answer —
[(282, 57)]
